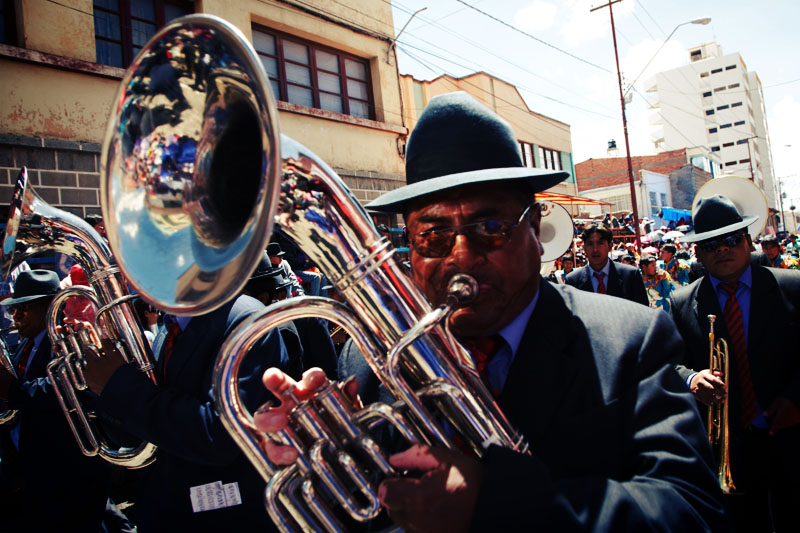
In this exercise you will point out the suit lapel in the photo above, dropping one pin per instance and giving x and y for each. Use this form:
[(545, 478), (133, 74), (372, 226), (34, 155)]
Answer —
[(614, 284), (765, 305), (37, 364), (542, 367), (706, 303), (586, 283), (187, 344)]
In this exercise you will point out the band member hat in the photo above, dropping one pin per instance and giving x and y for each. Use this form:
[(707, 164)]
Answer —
[(458, 141), (715, 216), (274, 249), (264, 269), (33, 285)]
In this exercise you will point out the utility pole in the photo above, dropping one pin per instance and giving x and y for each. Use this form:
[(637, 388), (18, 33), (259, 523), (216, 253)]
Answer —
[(624, 126)]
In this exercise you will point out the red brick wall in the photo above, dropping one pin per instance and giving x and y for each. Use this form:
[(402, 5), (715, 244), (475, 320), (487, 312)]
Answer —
[(608, 171)]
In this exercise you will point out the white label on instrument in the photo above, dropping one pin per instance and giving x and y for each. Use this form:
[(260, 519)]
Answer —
[(214, 496)]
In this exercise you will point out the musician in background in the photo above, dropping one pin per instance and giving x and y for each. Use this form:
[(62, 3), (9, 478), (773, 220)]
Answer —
[(758, 313), (616, 442), (772, 249), (200, 480), (602, 275), (47, 483)]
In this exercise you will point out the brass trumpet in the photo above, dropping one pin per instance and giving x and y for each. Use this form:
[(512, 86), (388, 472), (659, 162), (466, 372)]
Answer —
[(718, 432)]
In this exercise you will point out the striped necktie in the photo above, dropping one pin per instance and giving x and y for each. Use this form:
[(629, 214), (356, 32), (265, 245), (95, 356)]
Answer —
[(738, 345), (482, 350), (601, 287)]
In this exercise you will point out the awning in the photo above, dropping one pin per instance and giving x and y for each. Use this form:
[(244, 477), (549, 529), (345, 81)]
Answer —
[(566, 199), (669, 213)]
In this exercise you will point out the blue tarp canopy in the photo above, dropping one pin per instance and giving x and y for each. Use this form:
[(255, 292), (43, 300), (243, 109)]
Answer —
[(669, 213)]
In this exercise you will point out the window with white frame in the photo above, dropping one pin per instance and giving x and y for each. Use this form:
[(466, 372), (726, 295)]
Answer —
[(306, 73)]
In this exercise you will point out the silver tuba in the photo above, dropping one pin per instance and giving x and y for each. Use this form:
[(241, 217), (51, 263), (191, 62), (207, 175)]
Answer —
[(219, 93), (34, 227), (7, 416)]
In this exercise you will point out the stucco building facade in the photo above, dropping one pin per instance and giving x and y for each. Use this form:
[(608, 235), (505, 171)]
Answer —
[(330, 65)]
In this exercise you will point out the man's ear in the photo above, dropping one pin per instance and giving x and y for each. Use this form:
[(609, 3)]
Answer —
[(535, 217), (536, 221)]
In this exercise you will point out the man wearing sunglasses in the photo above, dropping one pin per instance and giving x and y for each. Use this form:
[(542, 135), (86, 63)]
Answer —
[(46, 483), (616, 442), (758, 315)]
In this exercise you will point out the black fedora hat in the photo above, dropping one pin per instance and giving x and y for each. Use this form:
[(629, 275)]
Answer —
[(32, 285), (715, 216), (263, 269), (458, 141), (274, 249)]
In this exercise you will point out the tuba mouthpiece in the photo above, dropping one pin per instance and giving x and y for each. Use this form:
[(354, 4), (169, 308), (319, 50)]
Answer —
[(461, 289)]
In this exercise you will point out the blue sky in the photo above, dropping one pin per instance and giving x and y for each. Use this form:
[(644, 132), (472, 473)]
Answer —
[(577, 84)]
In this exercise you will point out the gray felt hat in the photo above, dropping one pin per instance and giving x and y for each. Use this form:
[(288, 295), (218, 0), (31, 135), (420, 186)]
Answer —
[(715, 216), (458, 141), (33, 285)]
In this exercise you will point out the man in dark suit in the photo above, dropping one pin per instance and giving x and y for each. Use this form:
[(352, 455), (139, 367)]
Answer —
[(201, 480), (602, 275), (616, 442), (47, 483), (758, 314)]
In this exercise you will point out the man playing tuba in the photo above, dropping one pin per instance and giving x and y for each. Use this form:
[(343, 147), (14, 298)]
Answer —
[(48, 484), (616, 441)]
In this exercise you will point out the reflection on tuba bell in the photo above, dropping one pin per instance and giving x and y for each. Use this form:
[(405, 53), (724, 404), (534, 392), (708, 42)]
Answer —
[(161, 174), (34, 227), (718, 432)]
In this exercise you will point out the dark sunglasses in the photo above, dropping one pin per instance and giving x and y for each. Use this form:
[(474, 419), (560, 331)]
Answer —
[(730, 240), (488, 235), (23, 307)]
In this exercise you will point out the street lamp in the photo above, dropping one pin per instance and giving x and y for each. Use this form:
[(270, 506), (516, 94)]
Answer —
[(635, 208), (702, 21)]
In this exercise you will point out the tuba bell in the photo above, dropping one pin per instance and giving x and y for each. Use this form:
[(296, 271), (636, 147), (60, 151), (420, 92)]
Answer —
[(748, 198), (168, 152), (34, 227)]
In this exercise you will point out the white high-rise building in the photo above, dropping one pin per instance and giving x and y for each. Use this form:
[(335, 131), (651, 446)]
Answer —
[(715, 102)]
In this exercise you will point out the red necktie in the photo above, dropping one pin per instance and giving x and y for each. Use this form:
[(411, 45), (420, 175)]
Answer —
[(173, 331), (601, 287), (482, 350), (733, 321), (22, 362)]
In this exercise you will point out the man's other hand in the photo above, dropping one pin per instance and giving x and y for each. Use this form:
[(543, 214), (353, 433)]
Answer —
[(442, 499)]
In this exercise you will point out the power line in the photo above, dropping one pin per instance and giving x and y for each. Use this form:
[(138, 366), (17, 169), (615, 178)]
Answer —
[(572, 106), (481, 47), (554, 47), (524, 127), (778, 84), (646, 12)]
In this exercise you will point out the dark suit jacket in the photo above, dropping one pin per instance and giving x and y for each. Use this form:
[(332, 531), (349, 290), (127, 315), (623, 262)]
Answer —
[(624, 281), (616, 440), (771, 342), (181, 418), (63, 490)]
